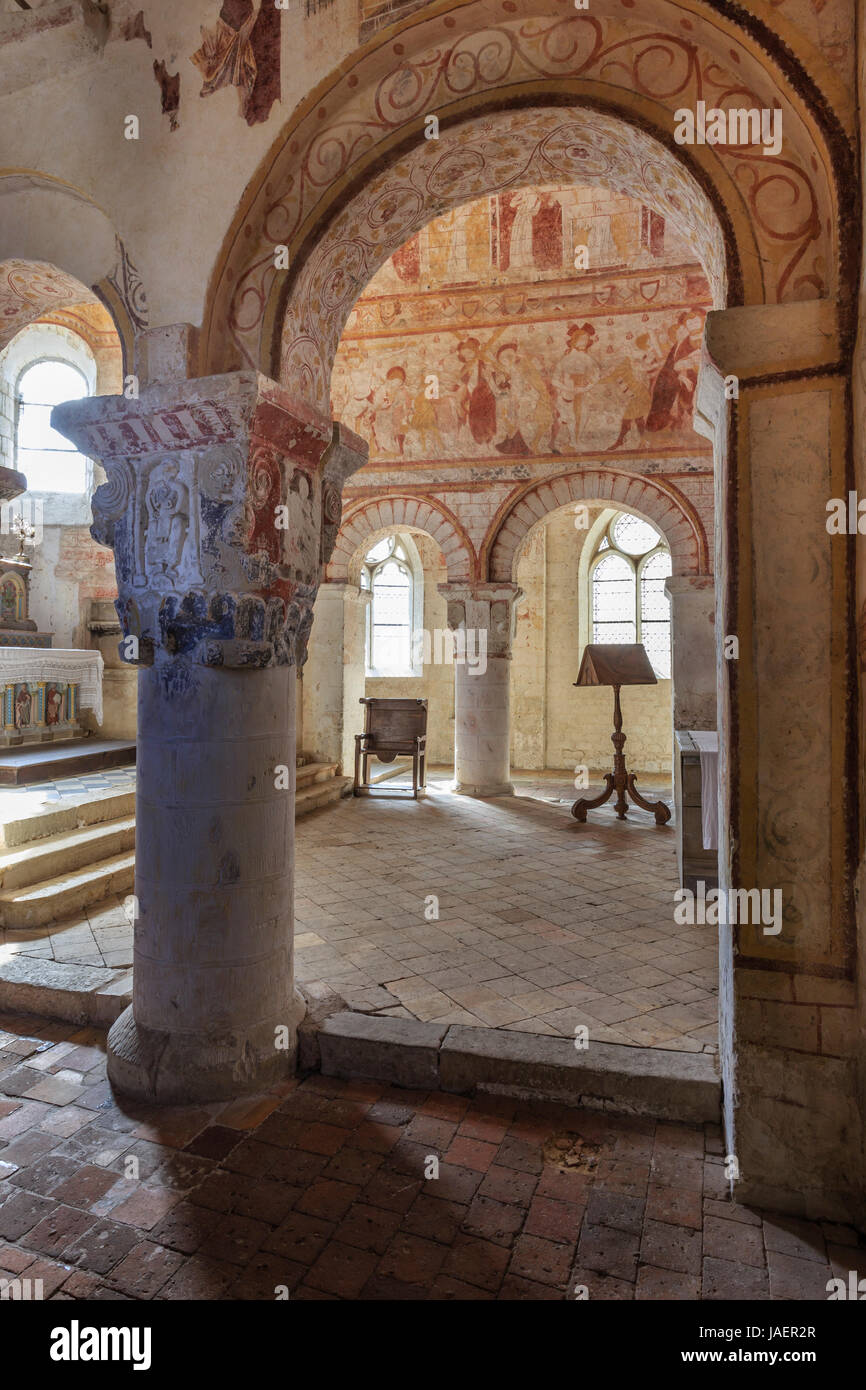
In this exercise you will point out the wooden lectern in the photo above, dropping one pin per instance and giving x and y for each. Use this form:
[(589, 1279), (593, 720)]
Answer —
[(623, 663)]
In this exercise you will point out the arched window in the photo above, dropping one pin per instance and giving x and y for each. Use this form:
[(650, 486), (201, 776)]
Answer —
[(627, 589), (390, 572), (48, 460)]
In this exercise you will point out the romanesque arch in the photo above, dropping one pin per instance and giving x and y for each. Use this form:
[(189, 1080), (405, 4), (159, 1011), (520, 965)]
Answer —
[(421, 514), (660, 503), (351, 175), (73, 256)]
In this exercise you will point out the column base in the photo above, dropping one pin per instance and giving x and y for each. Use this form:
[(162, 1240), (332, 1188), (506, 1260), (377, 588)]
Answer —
[(472, 789), (186, 1068)]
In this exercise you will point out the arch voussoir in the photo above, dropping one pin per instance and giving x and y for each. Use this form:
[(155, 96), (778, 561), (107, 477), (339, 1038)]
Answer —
[(661, 503), (421, 515)]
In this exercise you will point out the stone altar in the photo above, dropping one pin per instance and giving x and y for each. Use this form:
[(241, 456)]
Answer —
[(43, 693), (42, 690)]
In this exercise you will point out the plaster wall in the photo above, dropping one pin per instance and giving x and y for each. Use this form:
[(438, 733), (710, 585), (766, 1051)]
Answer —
[(171, 193)]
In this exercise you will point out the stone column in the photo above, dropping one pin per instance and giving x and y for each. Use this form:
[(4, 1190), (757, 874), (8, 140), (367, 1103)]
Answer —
[(789, 1037), (693, 650), (485, 616), (335, 674), (222, 504)]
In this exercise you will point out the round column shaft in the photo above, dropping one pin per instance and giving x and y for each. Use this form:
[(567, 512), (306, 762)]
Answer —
[(482, 618)]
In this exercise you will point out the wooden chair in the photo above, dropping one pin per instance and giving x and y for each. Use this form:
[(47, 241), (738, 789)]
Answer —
[(391, 728)]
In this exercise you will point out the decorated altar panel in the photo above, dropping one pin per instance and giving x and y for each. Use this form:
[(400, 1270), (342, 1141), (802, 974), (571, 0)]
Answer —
[(44, 690)]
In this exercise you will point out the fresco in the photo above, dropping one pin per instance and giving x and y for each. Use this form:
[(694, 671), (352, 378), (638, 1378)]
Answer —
[(243, 51), (479, 340), (29, 289), (788, 242), (375, 14), (532, 233)]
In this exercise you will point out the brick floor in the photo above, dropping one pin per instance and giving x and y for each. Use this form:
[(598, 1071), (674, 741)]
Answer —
[(319, 1188)]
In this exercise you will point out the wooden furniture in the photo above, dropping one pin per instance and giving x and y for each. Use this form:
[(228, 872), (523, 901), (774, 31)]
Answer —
[(391, 728), (618, 664), (694, 862)]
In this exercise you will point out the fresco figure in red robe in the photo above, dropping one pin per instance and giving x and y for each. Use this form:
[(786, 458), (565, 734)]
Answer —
[(674, 389), (477, 398)]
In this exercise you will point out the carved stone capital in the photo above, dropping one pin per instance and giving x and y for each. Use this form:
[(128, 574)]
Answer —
[(222, 505), (491, 608)]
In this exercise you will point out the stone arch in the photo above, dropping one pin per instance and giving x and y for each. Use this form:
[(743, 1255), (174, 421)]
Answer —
[(340, 187), (660, 502), (419, 513), (73, 256)]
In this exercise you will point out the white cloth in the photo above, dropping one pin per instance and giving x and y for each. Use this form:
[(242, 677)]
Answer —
[(76, 667), (708, 743)]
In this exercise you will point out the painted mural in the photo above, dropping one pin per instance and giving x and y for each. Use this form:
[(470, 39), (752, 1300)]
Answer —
[(788, 244), (29, 289), (479, 339), (243, 51)]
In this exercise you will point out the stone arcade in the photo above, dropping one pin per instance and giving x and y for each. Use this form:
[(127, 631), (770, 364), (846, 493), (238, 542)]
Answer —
[(451, 321)]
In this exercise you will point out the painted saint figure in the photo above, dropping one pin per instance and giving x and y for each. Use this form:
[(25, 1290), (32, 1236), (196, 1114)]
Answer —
[(53, 704), (391, 410), (477, 399), (520, 254), (524, 407), (674, 389), (578, 373), (23, 708)]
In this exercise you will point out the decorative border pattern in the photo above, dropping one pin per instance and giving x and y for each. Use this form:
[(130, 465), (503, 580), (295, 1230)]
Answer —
[(363, 117)]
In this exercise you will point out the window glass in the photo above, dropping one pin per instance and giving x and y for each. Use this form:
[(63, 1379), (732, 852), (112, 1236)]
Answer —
[(387, 573), (627, 590), (655, 612), (50, 462), (613, 588), (634, 536)]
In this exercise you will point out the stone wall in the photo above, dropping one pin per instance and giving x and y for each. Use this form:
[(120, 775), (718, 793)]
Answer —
[(437, 682), (553, 724)]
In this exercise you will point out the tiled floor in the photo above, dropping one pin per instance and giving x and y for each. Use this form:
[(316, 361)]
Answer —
[(319, 1189), (100, 935), (543, 924), (13, 799)]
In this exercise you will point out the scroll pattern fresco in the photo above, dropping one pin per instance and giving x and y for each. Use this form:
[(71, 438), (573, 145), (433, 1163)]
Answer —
[(499, 152), (787, 198)]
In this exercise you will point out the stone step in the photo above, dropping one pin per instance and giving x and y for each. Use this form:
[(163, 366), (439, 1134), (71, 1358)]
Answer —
[(54, 898), (44, 879), (321, 794), (682, 1086), (46, 762), (57, 855), (314, 772), (38, 820), (91, 995)]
